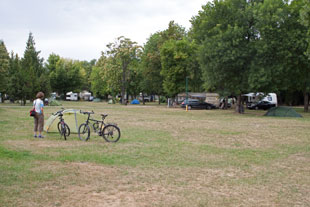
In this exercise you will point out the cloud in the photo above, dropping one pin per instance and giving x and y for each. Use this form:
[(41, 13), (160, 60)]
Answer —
[(80, 29)]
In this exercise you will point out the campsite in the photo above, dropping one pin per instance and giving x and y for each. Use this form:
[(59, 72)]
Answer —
[(165, 157), (155, 103)]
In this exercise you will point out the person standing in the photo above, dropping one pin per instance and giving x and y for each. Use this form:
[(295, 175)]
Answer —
[(39, 116)]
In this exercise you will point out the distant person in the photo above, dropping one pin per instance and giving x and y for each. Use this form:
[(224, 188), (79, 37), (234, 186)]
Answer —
[(39, 116)]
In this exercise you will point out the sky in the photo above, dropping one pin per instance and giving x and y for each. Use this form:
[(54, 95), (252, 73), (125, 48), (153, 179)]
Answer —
[(81, 29)]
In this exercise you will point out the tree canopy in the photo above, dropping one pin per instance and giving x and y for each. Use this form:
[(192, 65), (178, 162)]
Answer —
[(4, 68), (233, 47)]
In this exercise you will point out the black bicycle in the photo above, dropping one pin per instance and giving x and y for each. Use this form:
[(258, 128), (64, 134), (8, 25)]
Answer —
[(110, 132), (62, 127)]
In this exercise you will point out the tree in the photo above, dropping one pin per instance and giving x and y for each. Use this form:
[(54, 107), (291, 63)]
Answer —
[(123, 53), (151, 66), (16, 89), (280, 63), (173, 32), (52, 60), (225, 32), (87, 67), (297, 60), (178, 63), (154, 75), (99, 85), (305, 20), (4, 68), (68, 76), (35, 74)]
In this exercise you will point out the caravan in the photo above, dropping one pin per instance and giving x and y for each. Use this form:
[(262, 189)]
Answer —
[(70, 96), (261, 101)]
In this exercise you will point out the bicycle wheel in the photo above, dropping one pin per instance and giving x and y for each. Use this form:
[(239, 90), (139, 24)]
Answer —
[(111, 133), (59, 127), (84, 132), (65, 131), (66, 127)]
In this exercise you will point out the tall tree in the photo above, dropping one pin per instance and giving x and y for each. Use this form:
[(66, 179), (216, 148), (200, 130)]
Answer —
[(16, 82), (297, 60), (280, 63), (4, 68), (99, 85), (153, 72), (151, 66), (68, 76), (178, 64), (32, 67), (224, 30), (52, 60), (267, 72), (124, 53), (87, 67), (305, 20)]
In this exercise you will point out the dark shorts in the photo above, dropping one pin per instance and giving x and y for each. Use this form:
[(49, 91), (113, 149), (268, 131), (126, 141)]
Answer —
[(38, 122)]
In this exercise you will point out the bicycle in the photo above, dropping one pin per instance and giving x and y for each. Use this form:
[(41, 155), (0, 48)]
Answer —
[(62, 127), (110, 132)]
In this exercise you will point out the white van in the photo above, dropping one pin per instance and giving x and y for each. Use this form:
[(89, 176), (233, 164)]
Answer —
[(70, 96), (256, 97)]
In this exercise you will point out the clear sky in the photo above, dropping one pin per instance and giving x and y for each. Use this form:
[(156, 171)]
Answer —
[(81, 29)]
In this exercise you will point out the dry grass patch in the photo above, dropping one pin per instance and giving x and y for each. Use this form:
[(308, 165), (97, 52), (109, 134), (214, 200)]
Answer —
[(87, 184)]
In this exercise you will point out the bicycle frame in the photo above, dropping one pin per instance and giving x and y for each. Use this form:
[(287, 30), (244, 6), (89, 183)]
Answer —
[(63, 128), (98, 125), (109, 132)]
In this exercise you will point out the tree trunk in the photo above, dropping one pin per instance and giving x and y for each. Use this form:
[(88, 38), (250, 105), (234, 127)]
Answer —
[(143, 98), (225, 103), (158, 99), (306, 101), (23, 102), (124, 83), (239, 106)]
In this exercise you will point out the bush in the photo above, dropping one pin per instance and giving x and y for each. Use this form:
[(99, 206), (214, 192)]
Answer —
[(163, 99), (55, 103)]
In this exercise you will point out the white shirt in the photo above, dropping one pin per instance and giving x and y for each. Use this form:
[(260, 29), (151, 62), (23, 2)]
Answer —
[(38, 105)]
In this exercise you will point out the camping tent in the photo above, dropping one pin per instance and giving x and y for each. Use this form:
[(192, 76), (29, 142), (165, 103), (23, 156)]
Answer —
[(282, 111), (135, 101), (72, 117)]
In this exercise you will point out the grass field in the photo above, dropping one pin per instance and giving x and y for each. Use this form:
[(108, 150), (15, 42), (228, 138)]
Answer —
[(165, 157)]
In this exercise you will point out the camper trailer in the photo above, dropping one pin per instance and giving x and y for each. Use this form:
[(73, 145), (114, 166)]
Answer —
[(253, 98), (70, 96), (86, 96), (213, 98)]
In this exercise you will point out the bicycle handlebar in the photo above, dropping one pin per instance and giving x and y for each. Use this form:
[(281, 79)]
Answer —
[(58, 112)]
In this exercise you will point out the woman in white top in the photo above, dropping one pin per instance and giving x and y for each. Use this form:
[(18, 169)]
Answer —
[(39, 116)]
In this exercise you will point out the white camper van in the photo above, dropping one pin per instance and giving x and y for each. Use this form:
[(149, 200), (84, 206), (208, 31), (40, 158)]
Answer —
[(261, 101), (70, 96), (256, 97)]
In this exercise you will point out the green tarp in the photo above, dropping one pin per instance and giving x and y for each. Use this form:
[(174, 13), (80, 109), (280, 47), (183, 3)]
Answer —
[(282, 111)]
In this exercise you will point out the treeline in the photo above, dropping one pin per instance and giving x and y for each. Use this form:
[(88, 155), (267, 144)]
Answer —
[(233, 47)]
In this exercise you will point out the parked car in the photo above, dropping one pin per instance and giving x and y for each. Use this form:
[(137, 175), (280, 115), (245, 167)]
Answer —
[(261, 105), (197, 104)]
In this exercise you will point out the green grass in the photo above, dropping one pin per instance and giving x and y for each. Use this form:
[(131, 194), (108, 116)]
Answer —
[(169, 156)]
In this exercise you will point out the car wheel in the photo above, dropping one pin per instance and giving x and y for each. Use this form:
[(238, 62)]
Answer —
[(209, 107), (256, 108)]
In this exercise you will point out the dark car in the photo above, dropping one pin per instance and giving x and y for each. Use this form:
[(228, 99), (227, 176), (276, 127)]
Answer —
[(261, 105), (197, 104)]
